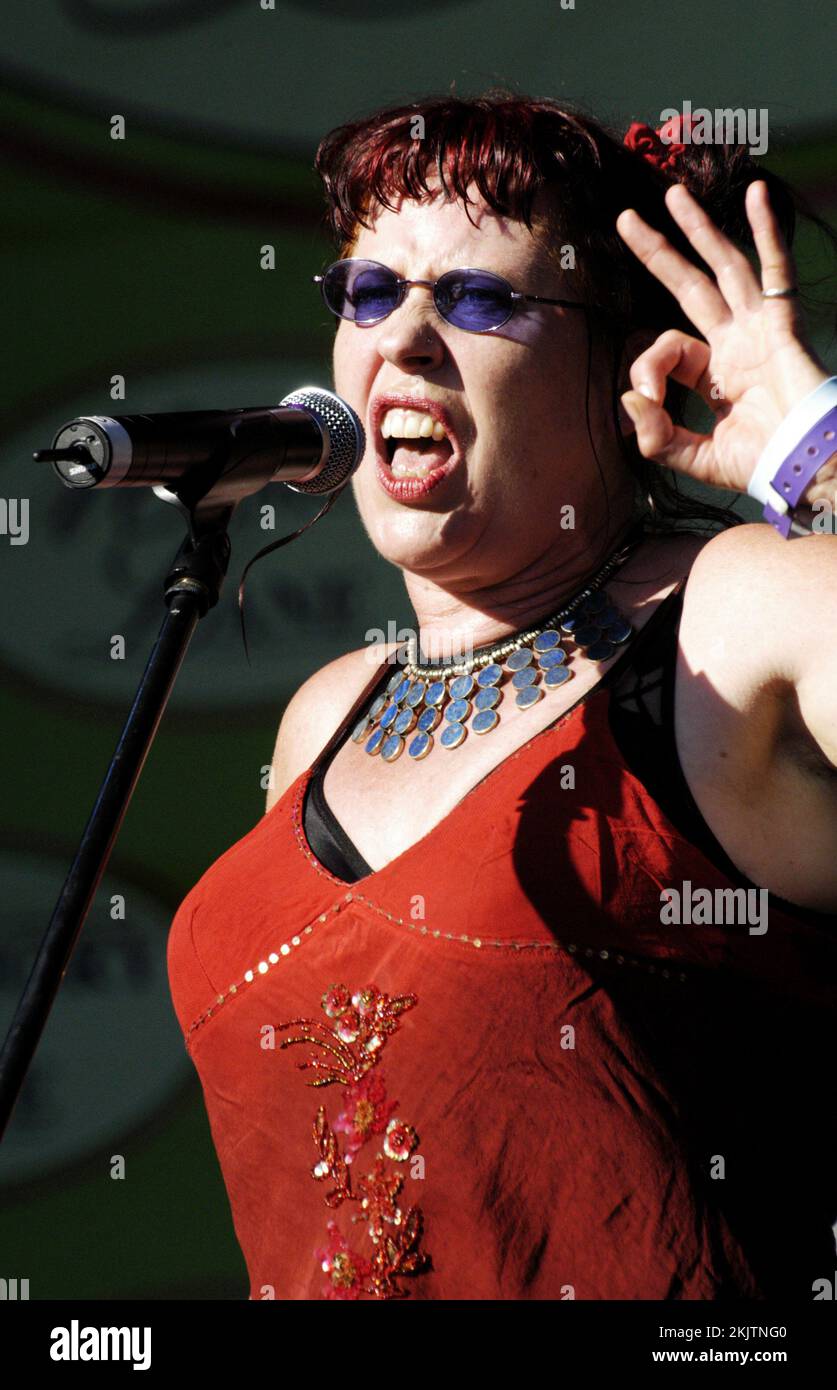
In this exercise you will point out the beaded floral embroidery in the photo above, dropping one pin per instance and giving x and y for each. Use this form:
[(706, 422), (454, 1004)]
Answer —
[(345, 1050)]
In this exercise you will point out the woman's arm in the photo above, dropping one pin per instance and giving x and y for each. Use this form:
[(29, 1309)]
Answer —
[(757, 687)]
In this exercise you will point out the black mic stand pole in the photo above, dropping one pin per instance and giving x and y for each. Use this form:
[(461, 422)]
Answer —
[(191, 588)]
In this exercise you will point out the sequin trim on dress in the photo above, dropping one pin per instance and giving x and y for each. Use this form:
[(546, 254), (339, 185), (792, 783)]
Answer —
[(262, 967), (345, 1050)]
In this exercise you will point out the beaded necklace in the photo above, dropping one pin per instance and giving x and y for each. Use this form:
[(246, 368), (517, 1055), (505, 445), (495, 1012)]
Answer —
[(463, 696)]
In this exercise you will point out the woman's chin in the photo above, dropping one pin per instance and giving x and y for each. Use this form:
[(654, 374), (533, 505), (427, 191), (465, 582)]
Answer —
[(411, 540)]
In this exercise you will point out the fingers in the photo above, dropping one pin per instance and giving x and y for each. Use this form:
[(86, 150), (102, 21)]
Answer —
[(733, 272), (735, 290), (684, 359), (778, 269), (698, 296), (666, 443)]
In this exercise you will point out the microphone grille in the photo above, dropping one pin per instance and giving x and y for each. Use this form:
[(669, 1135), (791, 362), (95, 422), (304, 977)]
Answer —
[(342, 431)]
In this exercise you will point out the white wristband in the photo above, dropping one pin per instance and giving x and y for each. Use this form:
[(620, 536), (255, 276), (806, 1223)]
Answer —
[(793, 428)]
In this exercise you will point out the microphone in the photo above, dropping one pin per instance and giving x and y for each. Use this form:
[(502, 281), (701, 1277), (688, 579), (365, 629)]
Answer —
[(312, 441)]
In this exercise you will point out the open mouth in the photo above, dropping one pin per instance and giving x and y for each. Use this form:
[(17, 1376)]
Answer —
[(416, 444)]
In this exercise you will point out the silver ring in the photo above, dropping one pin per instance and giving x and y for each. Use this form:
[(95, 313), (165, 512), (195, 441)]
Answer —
[(780, 294)]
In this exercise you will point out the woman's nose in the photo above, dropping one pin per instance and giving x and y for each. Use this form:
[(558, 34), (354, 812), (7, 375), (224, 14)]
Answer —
[(410, 337)]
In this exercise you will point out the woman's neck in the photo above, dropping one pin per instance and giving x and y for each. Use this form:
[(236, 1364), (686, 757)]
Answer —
[(453, 623)]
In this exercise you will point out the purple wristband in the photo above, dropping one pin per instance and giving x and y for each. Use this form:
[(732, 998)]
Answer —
[(799, 468)]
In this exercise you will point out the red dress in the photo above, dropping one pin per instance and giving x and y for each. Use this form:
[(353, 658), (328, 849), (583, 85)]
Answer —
[(527, 1084)]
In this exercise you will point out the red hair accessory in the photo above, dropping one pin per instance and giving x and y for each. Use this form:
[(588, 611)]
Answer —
[(664, 153)]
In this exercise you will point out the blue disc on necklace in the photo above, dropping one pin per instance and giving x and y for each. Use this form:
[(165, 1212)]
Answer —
[(415, 694), (601, 650), (377, 705), (487, 698), (393, 682), (393, 748), (389, 715), (427, 720), (401, 690), (556, 675), (608, 614), (452, 736), (556, 657), (373, 744), (527, 676), (421, 745), (485, 721), (360, 730), (489, 675), (435, 693), (458, 710), (461, 686), (547, 639), (618, 632), (524, 656), (570, 624), (586, 634), (404, 722), (528, 696)]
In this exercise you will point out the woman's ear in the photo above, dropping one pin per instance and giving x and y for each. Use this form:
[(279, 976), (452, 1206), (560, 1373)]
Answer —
[(635, 343)]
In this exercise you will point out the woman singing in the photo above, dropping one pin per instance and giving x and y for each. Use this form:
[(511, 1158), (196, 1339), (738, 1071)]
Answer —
[(524, 986)]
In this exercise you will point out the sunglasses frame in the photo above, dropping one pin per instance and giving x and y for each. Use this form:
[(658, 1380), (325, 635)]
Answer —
[(404, 285)]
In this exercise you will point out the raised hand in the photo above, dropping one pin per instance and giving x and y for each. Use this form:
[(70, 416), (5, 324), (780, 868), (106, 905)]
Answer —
[(753, 366)]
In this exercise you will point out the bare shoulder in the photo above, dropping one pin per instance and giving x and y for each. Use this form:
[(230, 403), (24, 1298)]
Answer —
[(760, 566), (736, 670), (745, 592), (733, 668), (749, 701), (314, 712)]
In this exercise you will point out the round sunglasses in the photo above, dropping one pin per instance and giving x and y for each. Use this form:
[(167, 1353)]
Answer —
[(365, 292)]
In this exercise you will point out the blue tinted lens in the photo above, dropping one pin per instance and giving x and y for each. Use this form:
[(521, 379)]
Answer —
[(474, 300), (360, 290)]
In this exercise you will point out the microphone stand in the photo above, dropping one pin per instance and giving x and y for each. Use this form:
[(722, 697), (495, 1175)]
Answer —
[(191, 588)]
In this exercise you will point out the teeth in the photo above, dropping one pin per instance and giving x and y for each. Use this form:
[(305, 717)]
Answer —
[(411, 424), (401, 470)]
